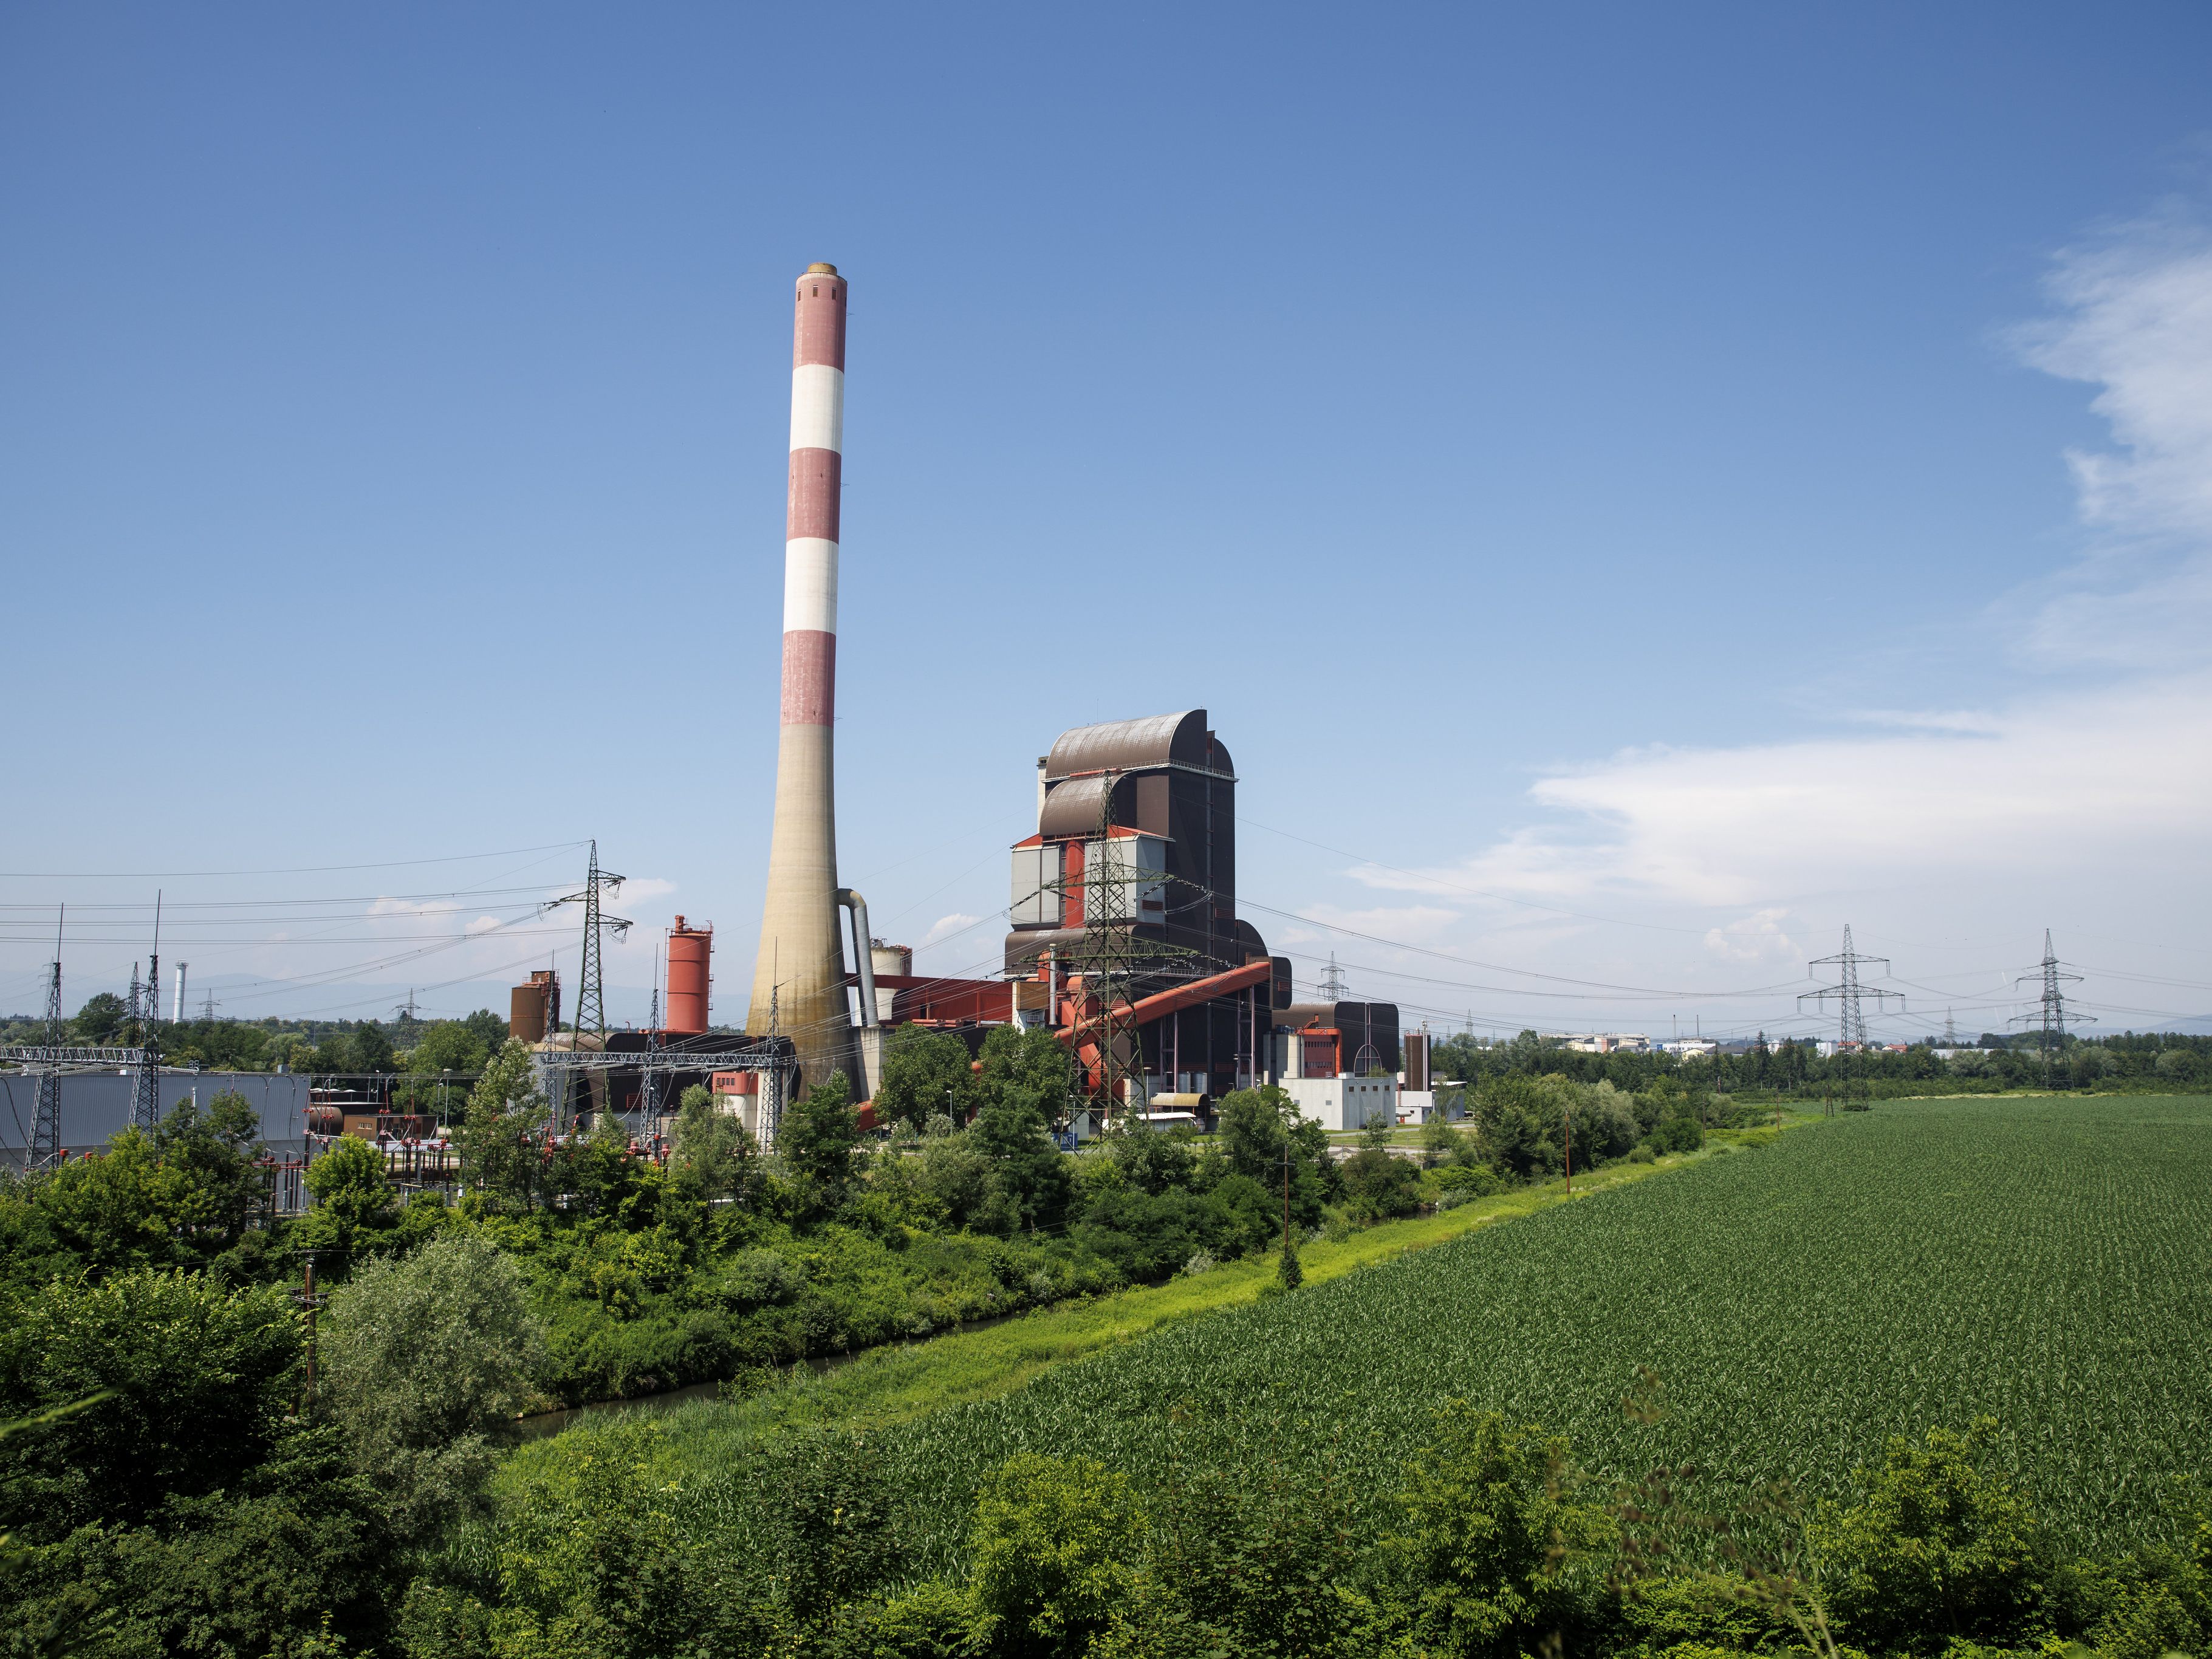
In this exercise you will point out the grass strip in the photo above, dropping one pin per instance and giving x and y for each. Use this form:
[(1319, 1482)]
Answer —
[(892, 1384)]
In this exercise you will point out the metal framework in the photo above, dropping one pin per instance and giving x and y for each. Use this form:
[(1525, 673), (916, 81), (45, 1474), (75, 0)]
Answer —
[(145, 1094), (2050, 1016), (1111, 958), (591, 1003), (61, 1057), (659, 1060), (1850, 993), (44, 1148)]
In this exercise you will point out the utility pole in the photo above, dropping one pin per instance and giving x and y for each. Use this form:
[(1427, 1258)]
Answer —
[(2049, 1017), (308, 1298), (649, 1089), (1570, 1137), (1850, 993)]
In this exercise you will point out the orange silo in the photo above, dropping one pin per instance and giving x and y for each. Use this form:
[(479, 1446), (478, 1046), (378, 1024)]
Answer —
[(690, 953)]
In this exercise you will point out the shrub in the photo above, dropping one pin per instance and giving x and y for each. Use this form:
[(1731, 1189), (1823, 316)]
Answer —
[(425, 1357), (1936, 1548), (1492, 1551), (1051, 1545)]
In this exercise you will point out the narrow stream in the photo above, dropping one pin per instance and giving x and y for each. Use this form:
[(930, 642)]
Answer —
[(544, 1424)]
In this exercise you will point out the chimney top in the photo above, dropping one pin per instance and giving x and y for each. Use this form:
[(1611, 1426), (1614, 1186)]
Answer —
[(820, 269)]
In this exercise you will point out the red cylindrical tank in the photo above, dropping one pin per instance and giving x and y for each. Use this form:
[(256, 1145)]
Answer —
[(691, 952)]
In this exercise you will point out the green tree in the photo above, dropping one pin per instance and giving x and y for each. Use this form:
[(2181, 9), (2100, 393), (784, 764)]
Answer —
[(1259, 1128), (815, 1140), (1051, 1546), (100, 1020), (1031, 1062), (116, 1212), (424, 1358), (351, 1184), (1439, 1141), (1937, 1546), (1029, 1175), (1509, 1119), (198, 1380), (215, 1154), (371, 1048), (924, 1073), (1493, 1552), (501, 1137), (712, 1155), (451, 1045)]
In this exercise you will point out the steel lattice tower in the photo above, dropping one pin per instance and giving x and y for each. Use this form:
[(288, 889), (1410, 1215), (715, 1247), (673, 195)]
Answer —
[(1849, 993), (45, 1150), (1110, 959), (2050, 1016), (145, 1085), (591, 1000)]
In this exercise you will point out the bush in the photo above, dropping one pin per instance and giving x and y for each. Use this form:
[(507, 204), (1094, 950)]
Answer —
[(1493, 1552), (1469, 1181), (217, 1371), (1936, 1548), (1378, 1186), (425, 1358), (1051, 1546)]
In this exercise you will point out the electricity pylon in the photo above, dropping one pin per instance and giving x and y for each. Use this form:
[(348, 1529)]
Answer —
[(145, 1085), (45, 1150), (2050, 1016), (591, 998), (1111, 958), (1850, 993)]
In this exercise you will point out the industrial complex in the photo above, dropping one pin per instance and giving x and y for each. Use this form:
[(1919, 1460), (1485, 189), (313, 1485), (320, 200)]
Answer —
[(1124, 937)]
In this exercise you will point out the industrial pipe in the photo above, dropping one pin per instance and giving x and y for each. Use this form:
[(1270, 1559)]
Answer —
[(1159, 1005), (858, 906)]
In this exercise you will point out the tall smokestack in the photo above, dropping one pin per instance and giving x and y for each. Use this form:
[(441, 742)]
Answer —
[(801, 952)]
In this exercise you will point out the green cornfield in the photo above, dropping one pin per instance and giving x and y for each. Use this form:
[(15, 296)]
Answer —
[(2047, 1262)]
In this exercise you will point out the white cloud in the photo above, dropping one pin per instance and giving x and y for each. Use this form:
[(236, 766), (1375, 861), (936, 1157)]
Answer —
[(947, 925), (2136, 322), (646, 887), (2048, 784), (1758, 937)]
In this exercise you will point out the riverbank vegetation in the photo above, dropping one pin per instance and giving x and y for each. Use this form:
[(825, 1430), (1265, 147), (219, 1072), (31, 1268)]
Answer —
[(210, 1498)]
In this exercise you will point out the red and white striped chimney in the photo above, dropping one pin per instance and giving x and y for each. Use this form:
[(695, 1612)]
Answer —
[(800, 949)]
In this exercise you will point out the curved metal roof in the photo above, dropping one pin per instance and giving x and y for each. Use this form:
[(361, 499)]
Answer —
[(1073, 808), (1127, 745)]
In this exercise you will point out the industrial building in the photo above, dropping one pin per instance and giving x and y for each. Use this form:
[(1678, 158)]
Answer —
[(1125, 938)]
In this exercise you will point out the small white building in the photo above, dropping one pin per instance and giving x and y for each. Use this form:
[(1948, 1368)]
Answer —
[(1344, 1102)]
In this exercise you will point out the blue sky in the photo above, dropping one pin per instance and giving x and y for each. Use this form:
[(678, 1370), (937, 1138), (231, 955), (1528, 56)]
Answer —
[(1647, 487)]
